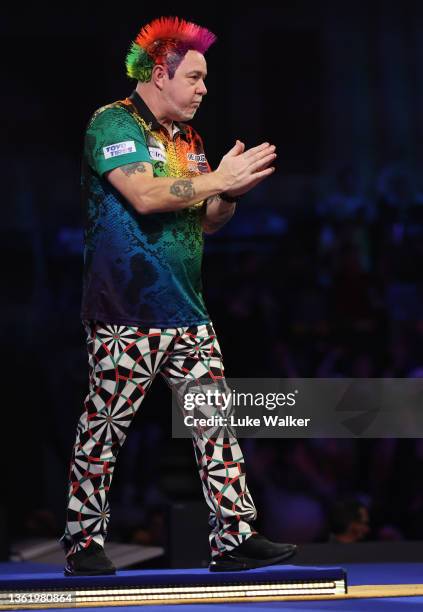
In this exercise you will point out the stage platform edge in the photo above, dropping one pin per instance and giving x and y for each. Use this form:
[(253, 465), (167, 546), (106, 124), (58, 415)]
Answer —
[(143, 587)]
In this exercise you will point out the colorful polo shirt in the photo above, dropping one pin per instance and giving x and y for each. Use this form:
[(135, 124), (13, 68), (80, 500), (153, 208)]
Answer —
[(142, 270)]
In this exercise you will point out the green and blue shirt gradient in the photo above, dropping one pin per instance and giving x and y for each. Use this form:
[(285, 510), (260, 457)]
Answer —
[(142, 270)]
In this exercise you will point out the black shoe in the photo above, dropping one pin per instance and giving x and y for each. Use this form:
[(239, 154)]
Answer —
[(90, 561), (256, 551)]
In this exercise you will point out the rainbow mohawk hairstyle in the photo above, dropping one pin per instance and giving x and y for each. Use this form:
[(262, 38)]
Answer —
[(165, 41)]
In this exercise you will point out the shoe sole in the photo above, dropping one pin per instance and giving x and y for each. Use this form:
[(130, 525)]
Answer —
[(70, 572), (237, 564)]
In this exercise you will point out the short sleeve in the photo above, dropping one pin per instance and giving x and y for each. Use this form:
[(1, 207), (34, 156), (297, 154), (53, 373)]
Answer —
[(113, 139)]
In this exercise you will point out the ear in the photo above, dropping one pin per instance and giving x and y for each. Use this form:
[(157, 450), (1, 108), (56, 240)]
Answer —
[(158, 75)]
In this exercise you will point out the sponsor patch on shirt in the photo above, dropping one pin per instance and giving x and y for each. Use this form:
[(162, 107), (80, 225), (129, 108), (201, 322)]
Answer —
[(157, 154), (120, 148), (198, 162), (196, 158)]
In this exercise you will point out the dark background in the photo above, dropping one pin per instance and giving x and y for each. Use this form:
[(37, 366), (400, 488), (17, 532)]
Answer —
[(319, 273)]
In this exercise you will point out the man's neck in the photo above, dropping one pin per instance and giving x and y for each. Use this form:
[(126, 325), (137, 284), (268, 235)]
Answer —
[(150, 99)]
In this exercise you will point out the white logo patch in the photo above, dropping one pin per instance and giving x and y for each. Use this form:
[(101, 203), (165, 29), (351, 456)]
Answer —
[(157, 154), (197, 158), (120, 148)]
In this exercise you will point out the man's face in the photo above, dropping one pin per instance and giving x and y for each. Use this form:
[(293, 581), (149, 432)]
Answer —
[(183, 94)]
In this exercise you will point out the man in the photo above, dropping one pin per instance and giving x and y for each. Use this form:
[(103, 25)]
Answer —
[(150, 195)]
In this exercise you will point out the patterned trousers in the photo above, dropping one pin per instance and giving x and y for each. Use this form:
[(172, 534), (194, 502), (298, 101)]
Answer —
[(123, 362)]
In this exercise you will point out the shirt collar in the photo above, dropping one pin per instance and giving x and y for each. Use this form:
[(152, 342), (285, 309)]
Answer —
[(150, 119)]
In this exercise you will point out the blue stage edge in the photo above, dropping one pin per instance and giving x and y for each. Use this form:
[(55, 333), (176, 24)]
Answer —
[(54, 590)]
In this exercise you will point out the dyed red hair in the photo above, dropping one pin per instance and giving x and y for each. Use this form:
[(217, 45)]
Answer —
[(165, 41), (189, 34)]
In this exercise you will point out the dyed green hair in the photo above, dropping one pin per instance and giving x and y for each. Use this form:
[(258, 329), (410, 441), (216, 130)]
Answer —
[(165, 41)]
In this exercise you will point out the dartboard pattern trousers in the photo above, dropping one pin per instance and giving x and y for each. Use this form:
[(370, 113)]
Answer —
[(123, 361)]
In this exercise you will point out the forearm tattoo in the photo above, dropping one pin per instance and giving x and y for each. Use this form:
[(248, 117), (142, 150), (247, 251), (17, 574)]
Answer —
[(129, 169), (183, 189)]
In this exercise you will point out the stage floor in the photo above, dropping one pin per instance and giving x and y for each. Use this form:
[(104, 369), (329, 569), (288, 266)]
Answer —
[(358, 575)]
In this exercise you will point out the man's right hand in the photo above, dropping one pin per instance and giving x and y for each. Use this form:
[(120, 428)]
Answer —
[(241, 170)]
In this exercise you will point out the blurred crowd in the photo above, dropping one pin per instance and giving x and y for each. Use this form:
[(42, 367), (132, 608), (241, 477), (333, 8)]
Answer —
[(330, 289), (336, 293)]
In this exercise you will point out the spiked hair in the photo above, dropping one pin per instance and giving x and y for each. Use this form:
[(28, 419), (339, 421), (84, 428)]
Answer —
[(165, 41)]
